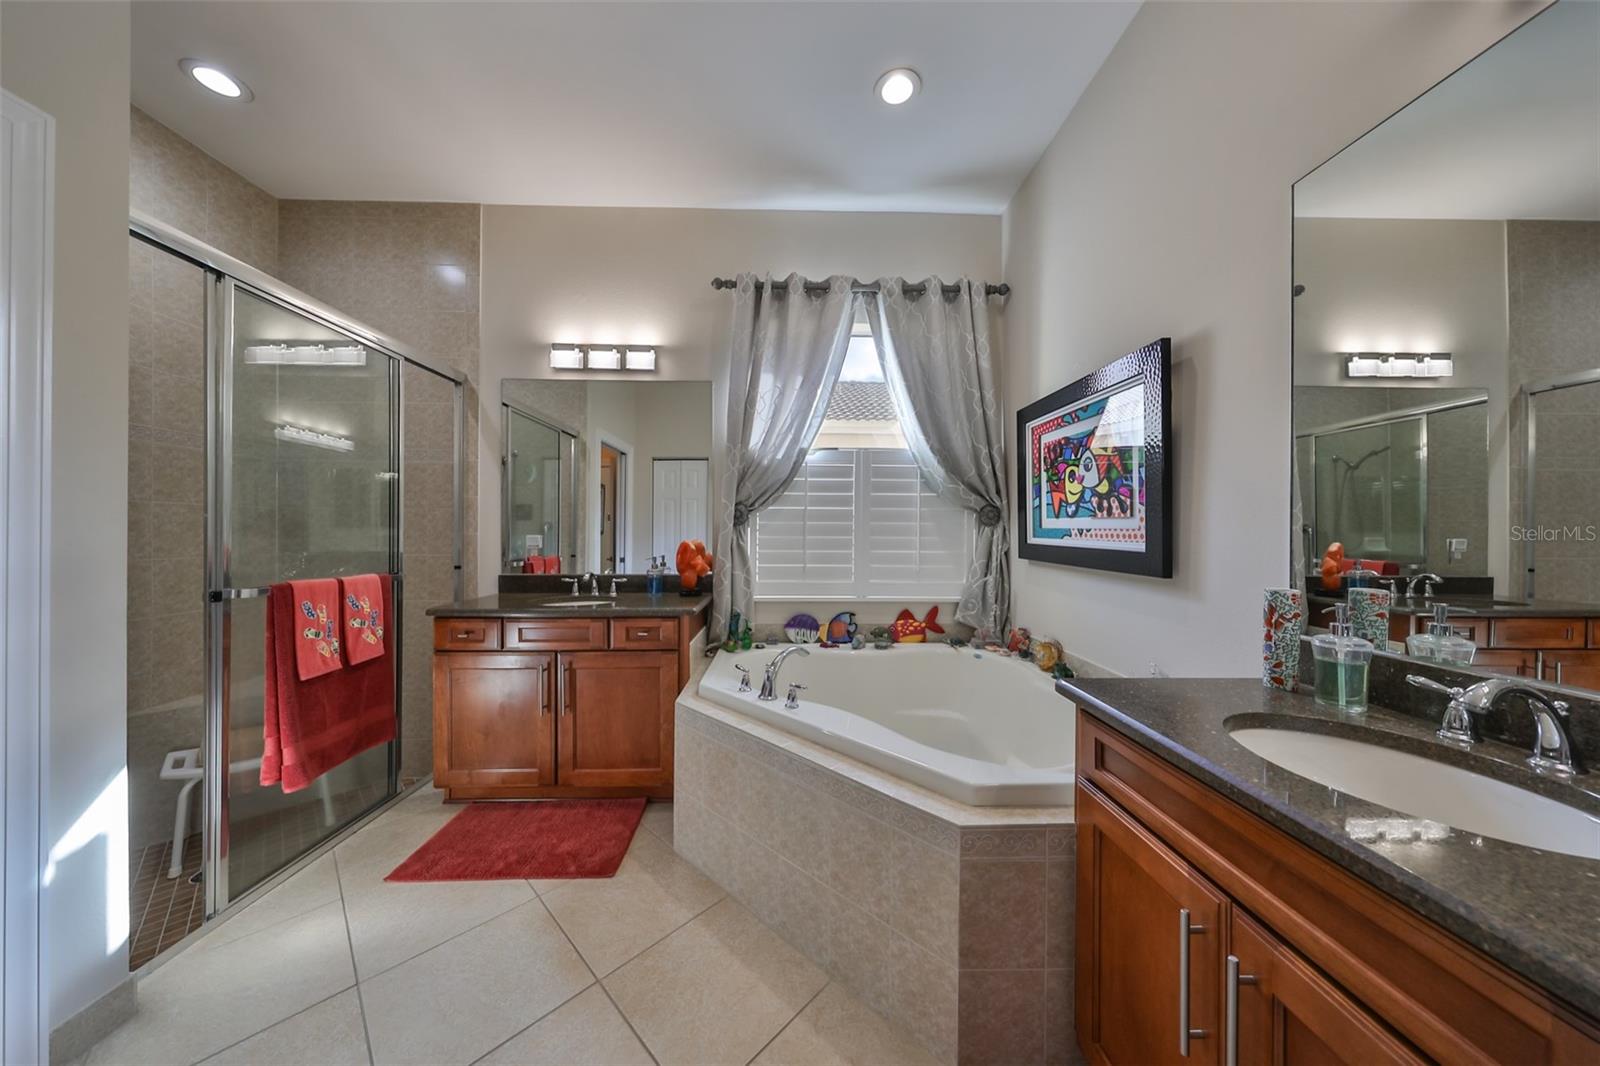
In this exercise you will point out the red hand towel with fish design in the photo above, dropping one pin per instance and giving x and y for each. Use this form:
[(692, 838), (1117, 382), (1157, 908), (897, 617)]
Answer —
[(361, 602), (309, 727), (316, 627)]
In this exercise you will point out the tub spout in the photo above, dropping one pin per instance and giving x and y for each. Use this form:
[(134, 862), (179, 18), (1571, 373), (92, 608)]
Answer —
[(769, 683)]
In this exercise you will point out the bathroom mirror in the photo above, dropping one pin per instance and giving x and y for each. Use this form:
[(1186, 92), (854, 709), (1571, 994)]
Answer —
[(599, 475), (1446, 375)]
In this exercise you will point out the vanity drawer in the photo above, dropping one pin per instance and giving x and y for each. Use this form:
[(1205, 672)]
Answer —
[(634, 634), (1537, 633), (466, 634), (555, 634)]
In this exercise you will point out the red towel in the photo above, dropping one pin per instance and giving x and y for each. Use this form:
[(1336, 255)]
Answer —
[(361, 604), (316, 627), (552, 564), (309, 727)]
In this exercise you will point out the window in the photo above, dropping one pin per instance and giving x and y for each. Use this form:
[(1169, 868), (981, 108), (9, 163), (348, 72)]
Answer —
[(859, 522)]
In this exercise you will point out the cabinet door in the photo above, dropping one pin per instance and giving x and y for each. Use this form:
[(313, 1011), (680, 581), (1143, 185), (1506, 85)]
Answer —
[(493, 722), (615, 727), (1287, 1014), (1579, 669), (1142, 913)]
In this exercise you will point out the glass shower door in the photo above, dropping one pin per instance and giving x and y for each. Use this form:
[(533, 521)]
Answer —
[(308, 488), (535, 454)]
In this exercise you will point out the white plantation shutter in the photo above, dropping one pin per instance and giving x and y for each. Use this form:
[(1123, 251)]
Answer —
[(860, 523)]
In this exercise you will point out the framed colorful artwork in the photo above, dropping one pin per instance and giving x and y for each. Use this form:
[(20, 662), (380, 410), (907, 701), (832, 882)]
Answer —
[(1093, 481)]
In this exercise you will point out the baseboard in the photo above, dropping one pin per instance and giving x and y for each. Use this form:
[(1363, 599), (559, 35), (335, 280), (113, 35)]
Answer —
[(74, 1037)]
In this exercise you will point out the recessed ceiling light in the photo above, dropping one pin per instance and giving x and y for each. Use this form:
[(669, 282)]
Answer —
[(898, 85), (216, 79)]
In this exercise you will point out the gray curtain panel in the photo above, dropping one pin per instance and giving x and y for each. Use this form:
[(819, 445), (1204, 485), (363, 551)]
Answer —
[(788, 346), (939, 363)]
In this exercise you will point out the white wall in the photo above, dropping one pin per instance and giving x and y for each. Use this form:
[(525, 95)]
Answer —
[(72, 60), (1162, 207), (1412, 285), (643, 276)]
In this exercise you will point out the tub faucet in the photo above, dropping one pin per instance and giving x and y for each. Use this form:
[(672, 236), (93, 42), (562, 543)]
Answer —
[(1552, 748), (769, 683)]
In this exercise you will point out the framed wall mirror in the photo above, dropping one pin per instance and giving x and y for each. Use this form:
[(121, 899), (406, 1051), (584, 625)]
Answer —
[(1446, 381), (601, 475)]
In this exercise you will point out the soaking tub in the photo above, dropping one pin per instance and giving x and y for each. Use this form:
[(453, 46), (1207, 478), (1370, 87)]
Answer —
[(978, 728)]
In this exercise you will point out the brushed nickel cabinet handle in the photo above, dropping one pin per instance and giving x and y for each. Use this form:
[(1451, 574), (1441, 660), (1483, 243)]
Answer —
[(1186, 929), (566, 692), (1235, 979)]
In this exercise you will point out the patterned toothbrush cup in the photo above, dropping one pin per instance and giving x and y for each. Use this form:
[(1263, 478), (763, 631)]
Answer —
[(1369, 615), (1283, 623)]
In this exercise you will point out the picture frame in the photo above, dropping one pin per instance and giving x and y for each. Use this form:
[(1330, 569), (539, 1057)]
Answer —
[(1094, 485)]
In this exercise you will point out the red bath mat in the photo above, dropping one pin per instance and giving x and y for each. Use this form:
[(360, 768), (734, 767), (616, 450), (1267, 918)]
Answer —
[(548, 838)]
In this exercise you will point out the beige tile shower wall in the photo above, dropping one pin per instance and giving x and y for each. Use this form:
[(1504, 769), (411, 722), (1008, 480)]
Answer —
[(1553, 276), (409, 270), (175, 182)]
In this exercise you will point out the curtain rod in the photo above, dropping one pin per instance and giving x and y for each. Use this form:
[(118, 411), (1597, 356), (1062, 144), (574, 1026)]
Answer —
[(1001, 289)]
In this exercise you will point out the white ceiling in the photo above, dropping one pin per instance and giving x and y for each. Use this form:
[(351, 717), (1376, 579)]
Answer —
[(729, 105), (1514, 134)]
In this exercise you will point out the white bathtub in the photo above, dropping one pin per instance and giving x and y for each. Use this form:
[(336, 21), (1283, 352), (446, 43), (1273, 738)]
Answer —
[(979, 728)]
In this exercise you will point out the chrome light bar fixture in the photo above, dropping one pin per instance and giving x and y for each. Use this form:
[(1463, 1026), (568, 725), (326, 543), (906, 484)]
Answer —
[(314, 437), (305, 355), (1398, 364), (601, 357)]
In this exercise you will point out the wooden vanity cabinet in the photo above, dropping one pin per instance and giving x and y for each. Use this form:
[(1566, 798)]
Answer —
[(539, 708), (1330, 969)]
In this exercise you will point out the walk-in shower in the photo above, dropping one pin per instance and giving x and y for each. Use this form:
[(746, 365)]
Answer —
[(271, 438)]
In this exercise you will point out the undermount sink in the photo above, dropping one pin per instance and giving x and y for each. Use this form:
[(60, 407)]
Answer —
[(578, 603), (1425, 788)]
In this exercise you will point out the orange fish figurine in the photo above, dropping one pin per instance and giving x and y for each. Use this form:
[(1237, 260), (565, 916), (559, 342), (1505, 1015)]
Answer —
[(906, 629)]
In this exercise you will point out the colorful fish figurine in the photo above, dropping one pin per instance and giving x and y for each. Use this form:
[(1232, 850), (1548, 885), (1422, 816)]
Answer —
[(802, 629), (368, 619), (908, 629), (841, 627)]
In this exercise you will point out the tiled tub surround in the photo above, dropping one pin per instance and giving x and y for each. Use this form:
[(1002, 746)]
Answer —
[(954, 921)]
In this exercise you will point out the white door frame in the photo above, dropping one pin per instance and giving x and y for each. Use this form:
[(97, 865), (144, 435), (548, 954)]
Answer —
[(27, 207)]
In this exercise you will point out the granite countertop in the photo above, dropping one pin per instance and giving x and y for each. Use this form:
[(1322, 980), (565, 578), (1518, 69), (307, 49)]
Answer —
[(1465, 608), (550, 605), (1534, 911)]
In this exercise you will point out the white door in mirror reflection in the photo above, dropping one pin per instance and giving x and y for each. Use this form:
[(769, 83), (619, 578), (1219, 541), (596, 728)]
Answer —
[(681, 511)]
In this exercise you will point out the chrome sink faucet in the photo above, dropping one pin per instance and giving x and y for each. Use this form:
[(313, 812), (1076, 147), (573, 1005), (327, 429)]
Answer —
[(1552, 748), (1427, 581), (769, 683)]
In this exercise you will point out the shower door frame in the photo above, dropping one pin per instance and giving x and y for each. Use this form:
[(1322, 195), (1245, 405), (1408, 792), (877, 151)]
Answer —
[(1530, 457), (225, 276)]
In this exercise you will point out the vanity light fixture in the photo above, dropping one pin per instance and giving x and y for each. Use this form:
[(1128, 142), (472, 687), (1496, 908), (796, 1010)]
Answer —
[(1398, 365), (566, 357), (897, 86), (316, 438), (640, 359), (217, 80), (604, 358), (305, 355)]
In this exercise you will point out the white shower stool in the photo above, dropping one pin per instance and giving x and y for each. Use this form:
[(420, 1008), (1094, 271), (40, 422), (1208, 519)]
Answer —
[(184, 765)]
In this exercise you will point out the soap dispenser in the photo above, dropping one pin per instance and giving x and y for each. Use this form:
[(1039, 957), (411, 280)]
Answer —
[(1341, 660), (1439, 642)]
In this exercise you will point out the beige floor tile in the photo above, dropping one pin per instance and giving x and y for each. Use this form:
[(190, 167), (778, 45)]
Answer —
[(463, 998), (329, 1034), (716, 990), (392, 922), (313, 887), (611, 920), (658, 819), (203, 1001), (836, 1029), (584, 1031)]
